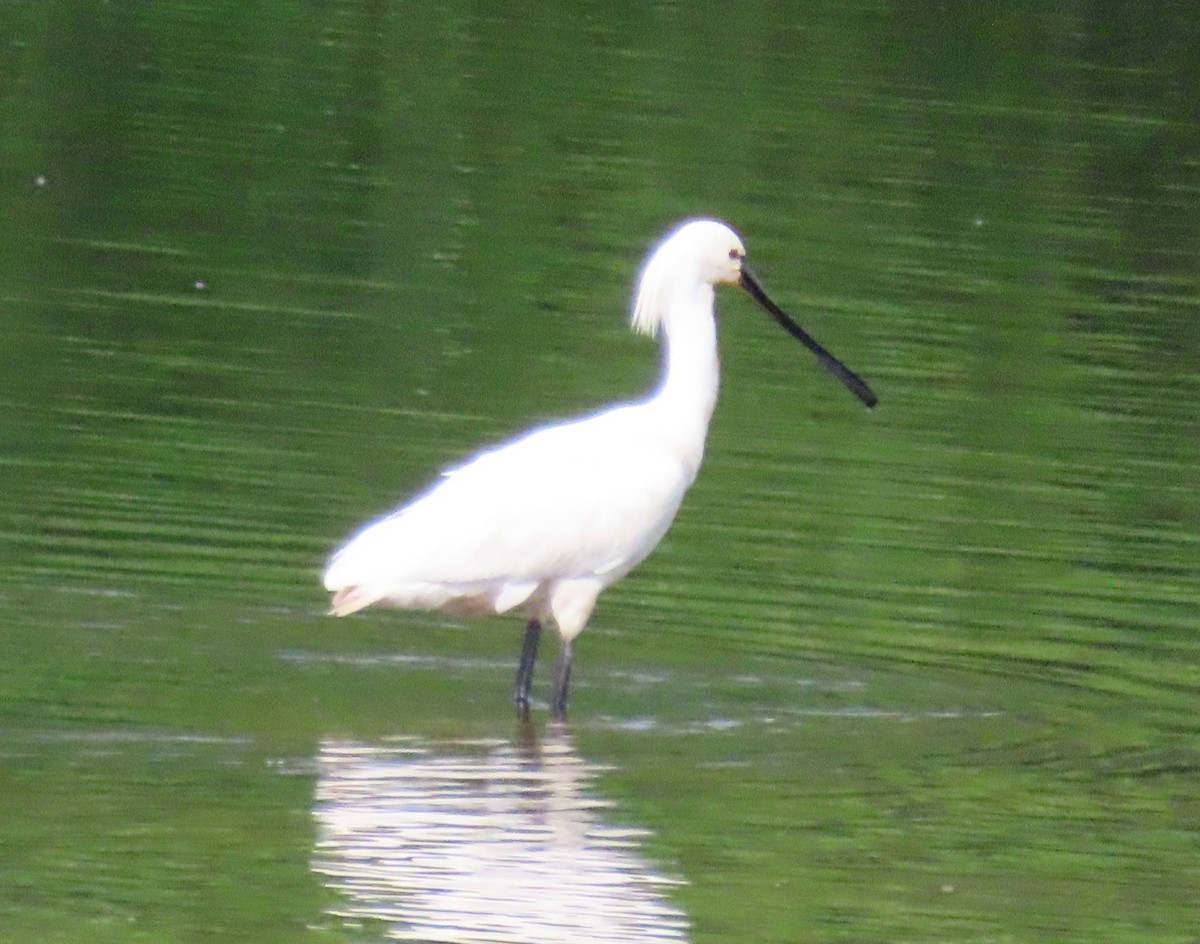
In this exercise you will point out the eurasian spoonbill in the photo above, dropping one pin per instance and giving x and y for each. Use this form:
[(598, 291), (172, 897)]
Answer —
[(541, 525)]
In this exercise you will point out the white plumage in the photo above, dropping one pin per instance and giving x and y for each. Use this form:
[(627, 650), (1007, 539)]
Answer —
[(584, 501), (546, 522)]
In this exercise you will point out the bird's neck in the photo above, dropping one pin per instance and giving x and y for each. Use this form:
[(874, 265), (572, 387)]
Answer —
[(684, 401)]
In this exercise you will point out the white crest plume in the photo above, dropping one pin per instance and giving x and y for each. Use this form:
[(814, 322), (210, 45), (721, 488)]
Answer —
[(676, 259)]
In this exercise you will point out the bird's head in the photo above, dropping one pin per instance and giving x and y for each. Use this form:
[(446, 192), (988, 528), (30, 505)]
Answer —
[(695, 254), (679, 276)]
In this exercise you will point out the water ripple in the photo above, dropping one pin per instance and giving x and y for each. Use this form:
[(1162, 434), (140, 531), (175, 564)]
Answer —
[(483, 841)]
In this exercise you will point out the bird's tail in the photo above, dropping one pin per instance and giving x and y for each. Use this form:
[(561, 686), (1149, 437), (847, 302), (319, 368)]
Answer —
[(351, 599)]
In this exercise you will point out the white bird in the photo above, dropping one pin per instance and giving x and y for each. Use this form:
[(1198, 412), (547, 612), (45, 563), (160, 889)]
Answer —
[(541, 525)]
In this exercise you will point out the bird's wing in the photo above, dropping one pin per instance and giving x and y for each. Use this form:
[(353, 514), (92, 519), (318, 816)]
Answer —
[(585, 498)]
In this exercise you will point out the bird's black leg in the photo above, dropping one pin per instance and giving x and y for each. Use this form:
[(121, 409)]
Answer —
[(533, 632), (562, 678)]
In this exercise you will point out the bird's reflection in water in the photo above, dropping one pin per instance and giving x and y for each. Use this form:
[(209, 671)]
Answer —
[(482, 841)]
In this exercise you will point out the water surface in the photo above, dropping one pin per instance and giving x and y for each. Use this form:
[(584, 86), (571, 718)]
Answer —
[(924, 674)]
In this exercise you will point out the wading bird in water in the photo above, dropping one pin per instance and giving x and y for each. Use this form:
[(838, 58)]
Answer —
[(541, 525)]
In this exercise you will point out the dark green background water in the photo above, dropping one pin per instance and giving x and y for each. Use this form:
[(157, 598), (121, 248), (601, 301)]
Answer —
[(925, 674)]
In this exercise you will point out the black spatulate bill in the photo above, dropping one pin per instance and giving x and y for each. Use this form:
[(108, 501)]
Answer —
[(854, 383)]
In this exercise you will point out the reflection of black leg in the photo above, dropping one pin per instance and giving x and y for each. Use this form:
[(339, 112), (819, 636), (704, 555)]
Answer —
[(562, 678), (529, 648)]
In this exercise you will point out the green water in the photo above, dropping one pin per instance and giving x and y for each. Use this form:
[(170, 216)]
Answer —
[(924, 674)]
